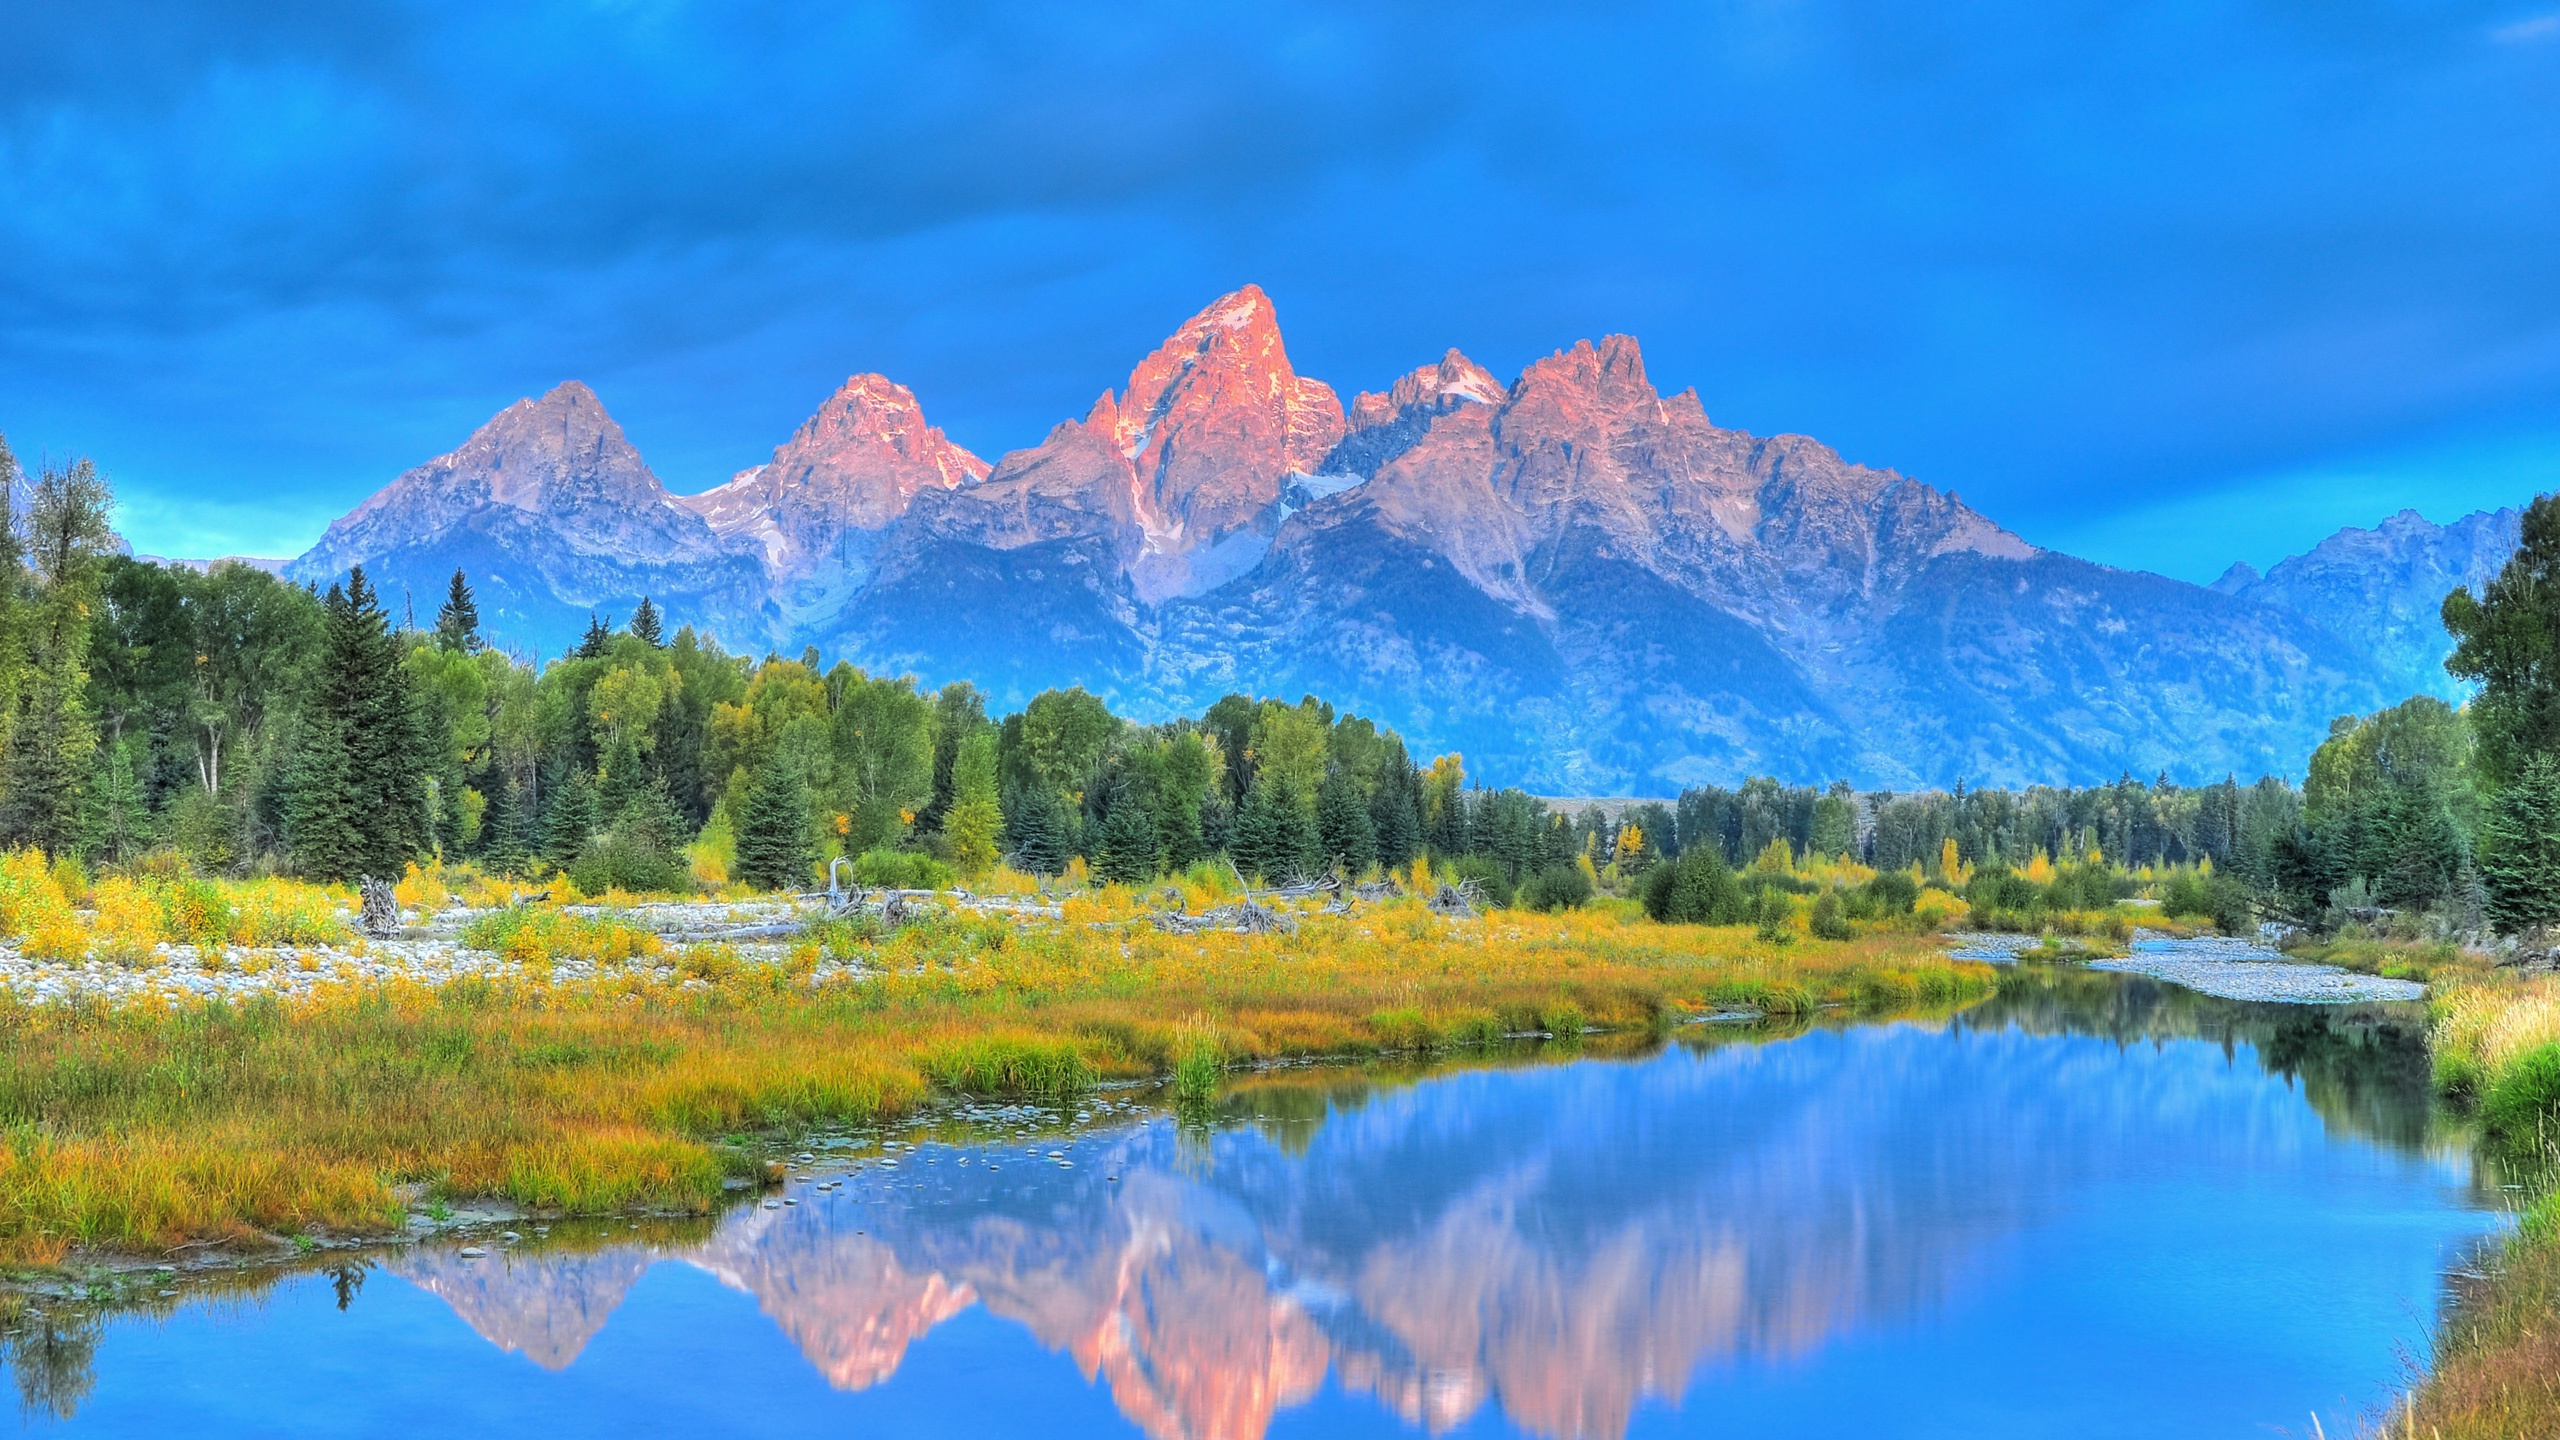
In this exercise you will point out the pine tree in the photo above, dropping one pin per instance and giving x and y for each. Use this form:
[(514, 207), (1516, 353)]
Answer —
[(364, 690), (1274, 841), (458, 623), (2520, 848), (1178, 837), (598, 640), (1344, 832), (1127, 854), (51, 735), (773, 830), (503, 842), (570, 821), (646, 623), (1038, 830), (1395, 818), (320, 807), (117, 819)]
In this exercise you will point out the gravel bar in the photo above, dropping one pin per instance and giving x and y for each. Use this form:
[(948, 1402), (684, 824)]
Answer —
[(2231, 969)]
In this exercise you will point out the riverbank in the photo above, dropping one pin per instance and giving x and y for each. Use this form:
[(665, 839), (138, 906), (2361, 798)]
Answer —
[(2496, 1371), (583, 1064)]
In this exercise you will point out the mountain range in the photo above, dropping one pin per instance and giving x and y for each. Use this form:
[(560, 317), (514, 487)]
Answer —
[(1582, 584)]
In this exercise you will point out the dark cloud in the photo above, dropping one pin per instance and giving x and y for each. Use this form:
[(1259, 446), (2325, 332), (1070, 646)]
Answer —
[(2069, 259)]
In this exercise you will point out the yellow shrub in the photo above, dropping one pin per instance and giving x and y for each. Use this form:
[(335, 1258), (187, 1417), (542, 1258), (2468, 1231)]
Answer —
[(30, 897), (57, 938), (285, 912), (127, 923)]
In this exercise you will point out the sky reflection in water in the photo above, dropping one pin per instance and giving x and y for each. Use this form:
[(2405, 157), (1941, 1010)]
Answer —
[(2111, 1208)]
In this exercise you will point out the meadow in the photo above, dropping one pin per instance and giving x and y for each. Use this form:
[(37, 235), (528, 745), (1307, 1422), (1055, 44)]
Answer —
[(665, 1070)]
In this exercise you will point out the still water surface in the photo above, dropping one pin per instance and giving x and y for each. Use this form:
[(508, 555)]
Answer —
[(2105, 1207)]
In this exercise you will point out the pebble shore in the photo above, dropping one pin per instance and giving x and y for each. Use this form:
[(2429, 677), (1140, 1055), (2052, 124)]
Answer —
[(428, 951), (2212, 965)]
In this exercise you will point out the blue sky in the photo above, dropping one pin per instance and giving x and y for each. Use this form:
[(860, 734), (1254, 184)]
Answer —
[(2168, 285)]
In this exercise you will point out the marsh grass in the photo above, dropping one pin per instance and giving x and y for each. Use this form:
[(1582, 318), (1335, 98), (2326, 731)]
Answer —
[(2496, 1044), (147, 1125)]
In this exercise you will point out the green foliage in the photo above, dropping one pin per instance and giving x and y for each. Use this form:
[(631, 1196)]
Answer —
[(1773, 912), (1064, 734), (883, 746), (1557, 887), (458, 623), (1486, 873), (901, 870), (1344, 831), (1697, 889), (2508, 640), (1835, 824), (2216, 897), (1275, 840), (1127, 852), (1889, 894), (974, 823), (569, 821), (774, 852), (2520, 848), (51, 733), (1830, 920), (1037, 828), (360, 783)]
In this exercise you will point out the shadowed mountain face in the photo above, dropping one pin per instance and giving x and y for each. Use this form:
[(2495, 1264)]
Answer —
[(1581, 584), (1555, 1248), (2384, 588)]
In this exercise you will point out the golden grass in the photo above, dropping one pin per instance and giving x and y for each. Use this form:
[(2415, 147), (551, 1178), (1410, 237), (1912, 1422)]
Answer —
[(149, 1125), (2497, 1365)]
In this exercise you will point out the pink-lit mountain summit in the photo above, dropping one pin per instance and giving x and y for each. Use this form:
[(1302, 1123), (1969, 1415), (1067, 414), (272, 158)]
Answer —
[(1583, 584)]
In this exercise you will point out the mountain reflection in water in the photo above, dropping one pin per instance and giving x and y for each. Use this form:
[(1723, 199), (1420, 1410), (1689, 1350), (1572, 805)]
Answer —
[(1554, 1245)]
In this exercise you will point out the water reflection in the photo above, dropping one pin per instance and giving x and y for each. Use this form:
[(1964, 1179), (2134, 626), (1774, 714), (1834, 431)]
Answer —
[(1554, 1247)]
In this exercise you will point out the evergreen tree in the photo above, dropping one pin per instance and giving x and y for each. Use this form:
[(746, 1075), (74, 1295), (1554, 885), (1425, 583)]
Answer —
[(2520, 848), (504, 846), (117, 821), (570, 821), (774, 852), (1178, 837), (1217, 824), (1275, 841), (1042, 842), (51, 735), (364, 690), (974, 823), (320, 806), (1127, 853), (1344, 832), (458, 623), (646, 623), (1395, 817), (1697, 889), (597, 641)]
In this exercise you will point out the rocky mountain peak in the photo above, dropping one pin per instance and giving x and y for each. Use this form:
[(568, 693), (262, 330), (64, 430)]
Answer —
[(1456, 380), (554, 513), (1215, 417), (855, 465)]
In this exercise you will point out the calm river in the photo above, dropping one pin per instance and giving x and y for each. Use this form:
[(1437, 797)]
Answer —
[(2095, 1206)]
